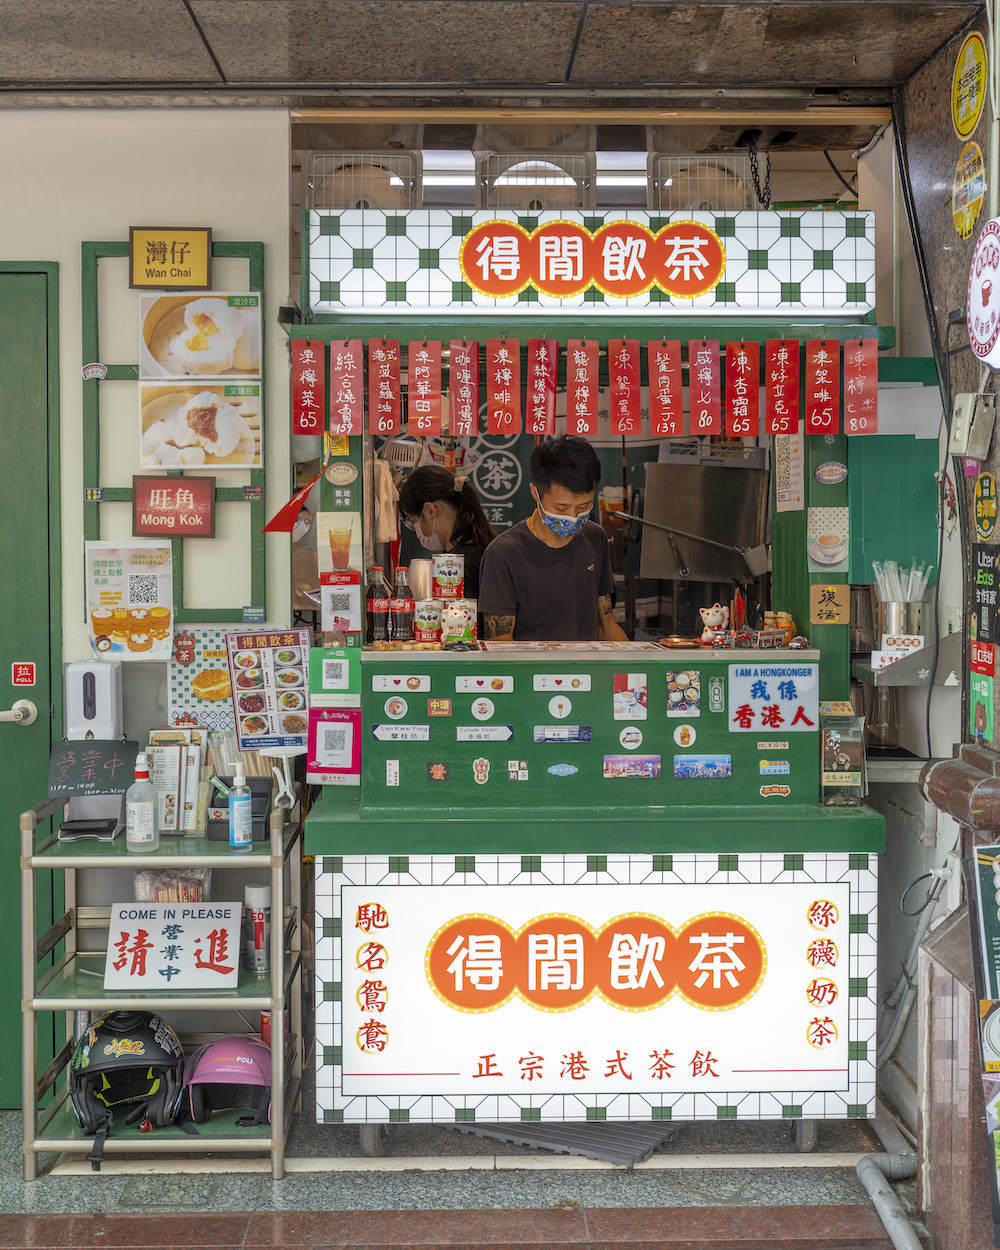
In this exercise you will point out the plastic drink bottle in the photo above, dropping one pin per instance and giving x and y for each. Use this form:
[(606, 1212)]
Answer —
[(142, 803), (240, 813), (257, 901), (401, 608)]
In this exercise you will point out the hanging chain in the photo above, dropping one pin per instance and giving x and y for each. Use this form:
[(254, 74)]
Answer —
[(763, 193)]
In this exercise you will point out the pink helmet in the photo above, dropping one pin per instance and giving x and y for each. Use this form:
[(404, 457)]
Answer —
[(231, 1071)]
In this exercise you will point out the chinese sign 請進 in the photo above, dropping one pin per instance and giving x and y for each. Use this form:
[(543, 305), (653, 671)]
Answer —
[(164, 946)]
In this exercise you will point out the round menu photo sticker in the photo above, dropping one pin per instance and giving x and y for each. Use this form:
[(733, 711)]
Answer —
[(395, 708), (630, 737), (483, 709), (685, 735)]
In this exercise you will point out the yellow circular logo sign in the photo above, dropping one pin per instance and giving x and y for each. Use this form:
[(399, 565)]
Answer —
[(968, 86), (968, 189)]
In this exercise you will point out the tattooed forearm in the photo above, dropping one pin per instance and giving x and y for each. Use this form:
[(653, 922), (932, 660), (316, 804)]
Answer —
[(604, 601), (499, 626)]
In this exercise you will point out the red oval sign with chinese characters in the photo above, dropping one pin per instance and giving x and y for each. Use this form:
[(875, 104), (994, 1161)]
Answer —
[(623, 259)]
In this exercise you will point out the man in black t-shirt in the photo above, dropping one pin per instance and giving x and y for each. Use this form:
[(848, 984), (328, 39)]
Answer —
[(549, 577)]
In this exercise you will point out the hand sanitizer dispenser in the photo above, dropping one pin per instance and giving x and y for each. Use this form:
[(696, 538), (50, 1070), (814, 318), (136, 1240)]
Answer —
[(93, 709)]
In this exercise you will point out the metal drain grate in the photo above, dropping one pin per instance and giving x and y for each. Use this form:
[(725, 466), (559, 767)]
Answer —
[(625, 1144)]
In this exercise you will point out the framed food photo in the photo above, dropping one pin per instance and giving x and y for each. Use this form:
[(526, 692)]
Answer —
[(211, 425), (215, 334)]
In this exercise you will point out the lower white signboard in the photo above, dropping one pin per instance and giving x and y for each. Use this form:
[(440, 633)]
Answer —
[(631, 990)]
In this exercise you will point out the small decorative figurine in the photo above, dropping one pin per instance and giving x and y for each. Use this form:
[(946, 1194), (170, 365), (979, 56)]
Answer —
[(713, 619)]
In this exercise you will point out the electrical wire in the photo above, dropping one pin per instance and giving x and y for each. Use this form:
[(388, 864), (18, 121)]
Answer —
[(829, 161)]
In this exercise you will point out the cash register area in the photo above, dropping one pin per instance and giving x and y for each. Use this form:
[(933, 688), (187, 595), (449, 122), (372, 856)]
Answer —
[(735, 1184)]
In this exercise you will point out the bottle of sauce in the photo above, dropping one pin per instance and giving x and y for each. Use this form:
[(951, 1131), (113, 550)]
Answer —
[(401, 607), (142, 819), (377, 606)]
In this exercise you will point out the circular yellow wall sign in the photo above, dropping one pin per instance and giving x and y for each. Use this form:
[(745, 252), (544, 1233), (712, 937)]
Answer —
[(968, 86)]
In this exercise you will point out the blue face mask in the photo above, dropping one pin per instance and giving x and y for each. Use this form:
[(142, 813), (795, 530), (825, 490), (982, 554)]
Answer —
[(563, 526)]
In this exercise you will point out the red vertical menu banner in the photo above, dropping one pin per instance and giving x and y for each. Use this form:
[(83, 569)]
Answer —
[(383, 386), (666, 400), (463, 389), (742, 389), (540, 392), (308, 386), (822, 386), (781, 386), (625, 380), (582, 384), (704, 386), (861, 386), (423, 387), (503, 386), (347, 387)]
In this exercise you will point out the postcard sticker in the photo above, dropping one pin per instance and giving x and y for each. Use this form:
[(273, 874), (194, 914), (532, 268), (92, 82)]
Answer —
[(684, 693), (642, 767), (706, 766), (630, 696)]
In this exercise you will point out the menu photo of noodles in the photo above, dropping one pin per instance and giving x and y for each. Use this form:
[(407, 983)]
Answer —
[(270, 687)]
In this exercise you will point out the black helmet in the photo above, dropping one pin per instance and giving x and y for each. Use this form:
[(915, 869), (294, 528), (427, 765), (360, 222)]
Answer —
[(125, 1058)]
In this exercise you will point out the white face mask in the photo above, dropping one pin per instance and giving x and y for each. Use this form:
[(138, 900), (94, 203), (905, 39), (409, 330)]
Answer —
[(429, 542)]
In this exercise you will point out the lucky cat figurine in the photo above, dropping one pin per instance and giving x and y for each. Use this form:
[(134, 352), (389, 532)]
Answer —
[(714, 619)]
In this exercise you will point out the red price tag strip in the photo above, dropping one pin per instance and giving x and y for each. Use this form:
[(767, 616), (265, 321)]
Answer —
[(308, 386), (423, 370), (704, 387), (463, 389), (822, 386), (582, 380), (540, 397), (623, 374), (781, 386), (383, 386), (742, 389), (666, 407), (503, 386), (347, 380), (861, 386)]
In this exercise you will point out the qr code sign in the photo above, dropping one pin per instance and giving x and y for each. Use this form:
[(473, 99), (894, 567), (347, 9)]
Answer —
[(142, 588), (334, 675), (334, 740), (340, 601)]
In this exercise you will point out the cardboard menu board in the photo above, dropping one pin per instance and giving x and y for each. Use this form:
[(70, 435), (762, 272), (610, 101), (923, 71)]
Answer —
[(269, 671)]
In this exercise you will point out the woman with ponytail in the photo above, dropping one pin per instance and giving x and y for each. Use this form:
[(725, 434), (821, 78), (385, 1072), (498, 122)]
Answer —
[(446, 515)]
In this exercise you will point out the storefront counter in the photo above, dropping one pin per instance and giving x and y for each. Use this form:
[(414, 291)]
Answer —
[(563, 892)]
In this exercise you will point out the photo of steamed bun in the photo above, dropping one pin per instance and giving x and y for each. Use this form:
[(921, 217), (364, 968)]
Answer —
[(215, 335), (191, 427)]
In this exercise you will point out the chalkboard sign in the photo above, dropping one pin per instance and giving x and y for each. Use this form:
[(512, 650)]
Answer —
[(91, 766)]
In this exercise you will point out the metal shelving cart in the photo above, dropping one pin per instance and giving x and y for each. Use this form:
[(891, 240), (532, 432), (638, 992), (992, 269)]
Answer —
[(75, 983)]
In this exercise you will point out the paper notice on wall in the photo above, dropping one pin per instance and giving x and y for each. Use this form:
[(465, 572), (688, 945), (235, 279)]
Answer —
[(789, 472)]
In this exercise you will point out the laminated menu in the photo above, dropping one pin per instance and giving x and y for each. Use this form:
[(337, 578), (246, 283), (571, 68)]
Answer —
[(269, 675)]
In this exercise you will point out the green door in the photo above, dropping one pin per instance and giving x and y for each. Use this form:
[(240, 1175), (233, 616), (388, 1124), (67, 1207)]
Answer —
[(30, 626)]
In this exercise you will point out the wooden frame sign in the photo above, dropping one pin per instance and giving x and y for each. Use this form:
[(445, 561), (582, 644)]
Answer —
[(170, 257), (173, 507)]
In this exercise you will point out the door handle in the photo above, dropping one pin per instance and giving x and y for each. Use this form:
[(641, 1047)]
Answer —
[(23, 712)]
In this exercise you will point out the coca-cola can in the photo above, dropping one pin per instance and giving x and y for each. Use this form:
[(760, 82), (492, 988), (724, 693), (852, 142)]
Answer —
[(426, 621)]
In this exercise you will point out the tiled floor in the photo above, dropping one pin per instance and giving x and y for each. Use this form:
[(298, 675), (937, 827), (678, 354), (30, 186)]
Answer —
[(727, 1185)]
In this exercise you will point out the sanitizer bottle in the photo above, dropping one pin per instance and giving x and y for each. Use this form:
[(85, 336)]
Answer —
[(240, 813), (142, 822)]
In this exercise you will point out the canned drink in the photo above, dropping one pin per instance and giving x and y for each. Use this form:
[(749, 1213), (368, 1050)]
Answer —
[(426, 621), (448, 576)]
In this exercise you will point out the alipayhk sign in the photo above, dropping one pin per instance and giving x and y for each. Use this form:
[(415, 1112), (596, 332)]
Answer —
[(806, 264)]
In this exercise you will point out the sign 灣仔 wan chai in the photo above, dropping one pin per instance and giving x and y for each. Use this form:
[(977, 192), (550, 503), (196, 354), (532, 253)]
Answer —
[(165, 257)]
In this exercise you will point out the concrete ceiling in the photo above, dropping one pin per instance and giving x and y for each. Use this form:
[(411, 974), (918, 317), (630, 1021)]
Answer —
[(247, 51)]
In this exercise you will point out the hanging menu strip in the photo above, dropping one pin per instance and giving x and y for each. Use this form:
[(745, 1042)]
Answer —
[(704, 387), (540, 396), (742, 389), (383, 386), (666, 410), (423, 371), (503, 386), (463, 389), (623, 376), (861, 386), (582, 380), (822, 386), (308, 386), (781, 386), (347, 379)]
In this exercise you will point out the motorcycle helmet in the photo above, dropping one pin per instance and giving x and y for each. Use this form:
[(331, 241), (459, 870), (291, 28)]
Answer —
[(231, 1071), (125, 1058)]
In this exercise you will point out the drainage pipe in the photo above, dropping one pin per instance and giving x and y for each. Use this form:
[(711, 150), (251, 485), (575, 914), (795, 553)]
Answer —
[(875, 1171)]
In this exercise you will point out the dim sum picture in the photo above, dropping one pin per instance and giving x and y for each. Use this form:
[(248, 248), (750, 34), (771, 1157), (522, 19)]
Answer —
[(206, 336), (200, 426)]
